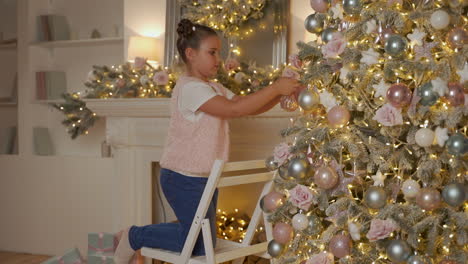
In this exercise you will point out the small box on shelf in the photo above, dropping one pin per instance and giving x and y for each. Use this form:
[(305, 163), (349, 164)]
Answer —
[(50, 85), (42, 141), (52, 28), (8, 141)]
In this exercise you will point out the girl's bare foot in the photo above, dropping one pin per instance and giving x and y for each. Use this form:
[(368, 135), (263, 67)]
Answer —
[(124, 252)]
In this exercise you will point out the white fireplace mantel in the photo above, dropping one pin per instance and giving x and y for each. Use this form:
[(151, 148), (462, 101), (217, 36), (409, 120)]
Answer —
[(152, 107), (136, 129)]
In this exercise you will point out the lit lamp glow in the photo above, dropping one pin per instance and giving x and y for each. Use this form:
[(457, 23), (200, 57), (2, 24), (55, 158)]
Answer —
[(145, 47)]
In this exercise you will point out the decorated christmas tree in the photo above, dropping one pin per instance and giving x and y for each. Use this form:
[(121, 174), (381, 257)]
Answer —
[(374, 170)]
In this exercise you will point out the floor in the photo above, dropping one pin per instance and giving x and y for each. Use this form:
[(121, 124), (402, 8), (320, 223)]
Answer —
[(21, 258), (24, 258)]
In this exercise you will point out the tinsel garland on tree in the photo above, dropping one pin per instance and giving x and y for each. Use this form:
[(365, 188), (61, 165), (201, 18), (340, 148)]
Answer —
[(224, 16), (375, 169)]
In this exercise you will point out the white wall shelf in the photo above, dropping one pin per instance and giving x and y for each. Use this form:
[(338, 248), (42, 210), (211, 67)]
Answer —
[(9, 46), (77, 43), (8, 104), (55, 101)]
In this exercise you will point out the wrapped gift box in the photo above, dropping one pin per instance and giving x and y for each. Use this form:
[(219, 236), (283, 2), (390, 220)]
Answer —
[(101, 244), (71, 256), (100, 259), (54, 260)]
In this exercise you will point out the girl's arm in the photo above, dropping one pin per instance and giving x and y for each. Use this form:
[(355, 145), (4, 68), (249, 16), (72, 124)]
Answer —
[(222, 107), (265, 108)]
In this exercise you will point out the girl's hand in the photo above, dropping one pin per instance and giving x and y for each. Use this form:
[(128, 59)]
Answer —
[(286, 86)]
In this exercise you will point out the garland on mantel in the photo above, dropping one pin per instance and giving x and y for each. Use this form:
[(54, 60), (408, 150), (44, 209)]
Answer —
[(141, 80)]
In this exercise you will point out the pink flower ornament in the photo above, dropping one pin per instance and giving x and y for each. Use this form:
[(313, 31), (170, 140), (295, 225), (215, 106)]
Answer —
[(381, 229), (139, 62), (281, 153), (301, 197), (295, 61), (321, 258), (161, 78), (334, 47), (231, 64), (290, 73), (388, 115)]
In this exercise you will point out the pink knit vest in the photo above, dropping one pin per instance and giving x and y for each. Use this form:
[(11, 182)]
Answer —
[(193, 147)]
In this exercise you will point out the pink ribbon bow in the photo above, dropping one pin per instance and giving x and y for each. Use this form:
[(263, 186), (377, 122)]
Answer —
[(100, 245)]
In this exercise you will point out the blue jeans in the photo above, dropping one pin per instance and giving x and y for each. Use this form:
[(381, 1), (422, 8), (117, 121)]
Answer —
[(183, 194)]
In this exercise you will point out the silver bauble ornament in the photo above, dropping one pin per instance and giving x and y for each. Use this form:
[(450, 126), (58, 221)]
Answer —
[(375, 197), (308, 99), (455, 3), (271, 164), (427, 94), (327, 34), (457, 144), (315, 225), (314, 23), (396, 45), (416, 259), (283, 172), (352, 7), (398, 251), (454, 194), (275, 248), (298, 168)]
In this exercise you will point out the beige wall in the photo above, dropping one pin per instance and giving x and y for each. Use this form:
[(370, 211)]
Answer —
[(49, 204)]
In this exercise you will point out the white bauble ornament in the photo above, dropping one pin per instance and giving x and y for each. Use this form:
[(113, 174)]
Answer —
[(410, 188), (424, 137), (440, 19), (300, 222)]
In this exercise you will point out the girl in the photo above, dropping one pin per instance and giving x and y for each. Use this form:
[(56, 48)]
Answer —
[(198, 134)]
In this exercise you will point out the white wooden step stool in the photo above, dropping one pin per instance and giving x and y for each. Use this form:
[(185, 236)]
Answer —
[(225, 250)]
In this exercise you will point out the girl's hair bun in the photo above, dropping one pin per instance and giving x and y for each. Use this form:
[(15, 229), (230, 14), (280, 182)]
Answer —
[(185, 28)]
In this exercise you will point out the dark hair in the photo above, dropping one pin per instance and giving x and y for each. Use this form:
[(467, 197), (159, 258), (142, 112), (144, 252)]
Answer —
[(190, 36)]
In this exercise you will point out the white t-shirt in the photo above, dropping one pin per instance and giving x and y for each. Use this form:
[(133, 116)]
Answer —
[(193, 95)]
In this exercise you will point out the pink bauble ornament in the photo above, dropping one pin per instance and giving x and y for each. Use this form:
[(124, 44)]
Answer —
[(338, 116), (340, 246), (455, 94), (283, 233), (325, 177), (428, 199), (447, 261), (384, 34), (399, 95), (457, 38), (272, 201), (320, 6), (289, 103)]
